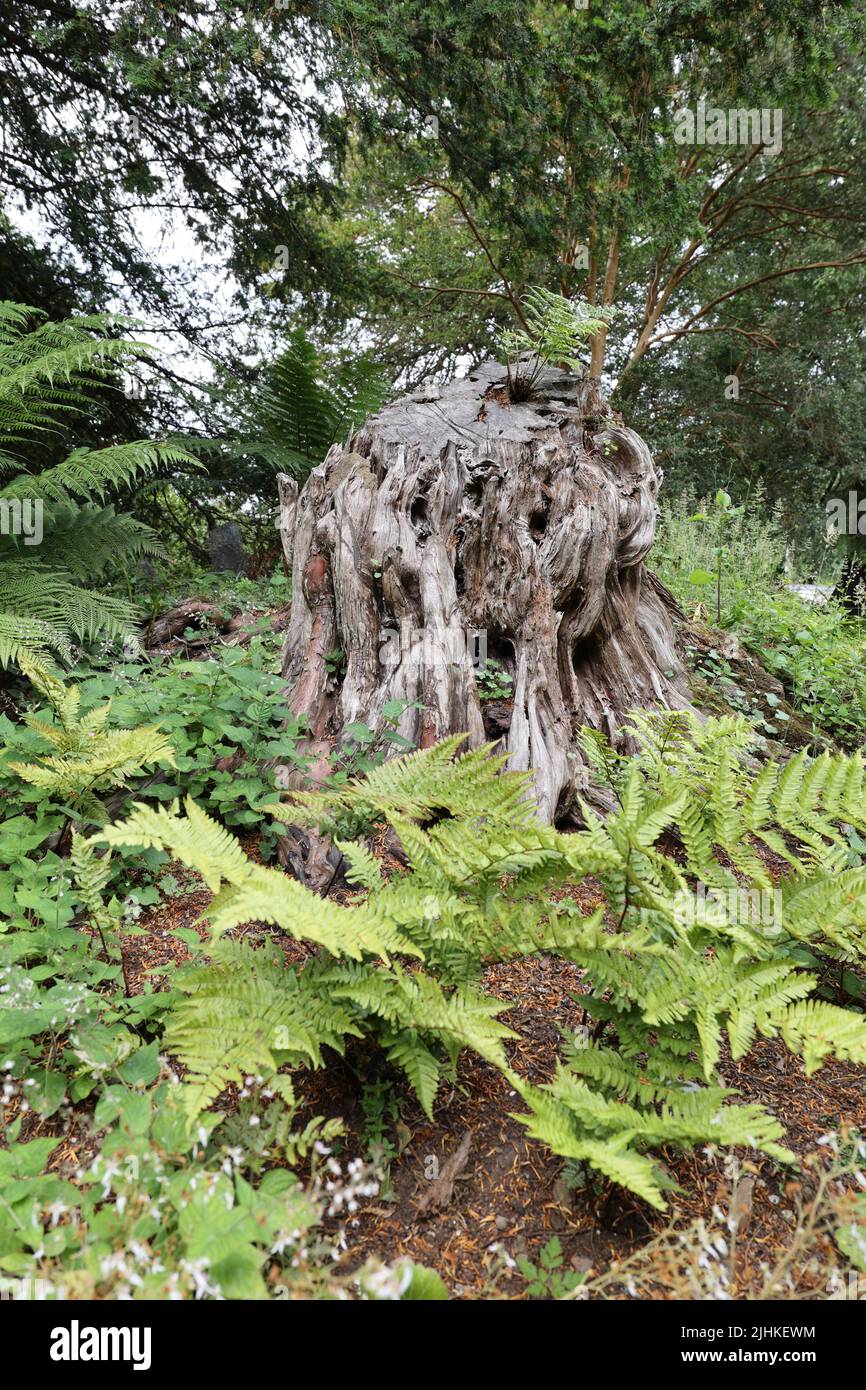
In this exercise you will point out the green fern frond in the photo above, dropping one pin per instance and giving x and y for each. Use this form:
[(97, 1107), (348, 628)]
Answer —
[(817, 1030), (246, 1013), (48, 375), (87, 473), (90, 758), (246, 891), (28, 641), (419, 784), (667, 975), (92, 874), (298, 406)]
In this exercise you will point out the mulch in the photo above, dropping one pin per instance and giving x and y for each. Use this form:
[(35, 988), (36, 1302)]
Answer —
[(512, 1193)]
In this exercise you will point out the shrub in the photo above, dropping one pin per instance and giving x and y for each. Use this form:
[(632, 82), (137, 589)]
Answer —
[(816, 650)]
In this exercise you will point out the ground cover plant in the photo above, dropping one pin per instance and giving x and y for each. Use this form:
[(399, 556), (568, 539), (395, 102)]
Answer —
[(432, 714)]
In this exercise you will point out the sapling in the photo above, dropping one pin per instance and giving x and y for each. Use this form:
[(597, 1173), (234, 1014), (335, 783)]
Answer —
[(717, 520)]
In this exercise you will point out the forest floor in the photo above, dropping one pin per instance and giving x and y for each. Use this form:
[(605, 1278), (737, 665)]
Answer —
[(509, 1197)]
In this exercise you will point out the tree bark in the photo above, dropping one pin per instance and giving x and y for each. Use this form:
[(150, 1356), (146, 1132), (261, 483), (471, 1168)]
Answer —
[(454, 518)]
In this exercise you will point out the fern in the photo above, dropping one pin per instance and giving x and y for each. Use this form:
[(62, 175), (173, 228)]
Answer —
[(48, 376), (819, 1030), (666, 989), (295, 409), (88, 758), (554, 329), (798, 810), (92, 873), (245, 891), (245, 1013), (420, 784)]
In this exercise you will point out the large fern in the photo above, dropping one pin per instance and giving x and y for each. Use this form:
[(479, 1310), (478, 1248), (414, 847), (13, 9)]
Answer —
[(287, 418), (726, 807), (49, 375), (227, 1023), (731, 800)]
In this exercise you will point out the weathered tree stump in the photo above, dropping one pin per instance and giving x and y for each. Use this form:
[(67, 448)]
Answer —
[(455, 512)]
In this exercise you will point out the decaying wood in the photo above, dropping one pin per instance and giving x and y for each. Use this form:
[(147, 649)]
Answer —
[(193, 612), (287, 489), (741, 1203), (211, 624), (441, 1189), (453, 513), (314, 859)]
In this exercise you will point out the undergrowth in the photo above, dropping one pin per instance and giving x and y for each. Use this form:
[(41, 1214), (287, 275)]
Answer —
[(734, 892)]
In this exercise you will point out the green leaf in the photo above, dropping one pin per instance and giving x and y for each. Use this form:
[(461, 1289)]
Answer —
[(851, 1240), (25, 1160), (142, 1068), (47, 1094), (425, 1285)]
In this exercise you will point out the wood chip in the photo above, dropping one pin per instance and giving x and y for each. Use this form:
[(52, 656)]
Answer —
[(441, 1189)]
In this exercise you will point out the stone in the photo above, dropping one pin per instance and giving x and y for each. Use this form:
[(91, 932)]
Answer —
[(227, 548)]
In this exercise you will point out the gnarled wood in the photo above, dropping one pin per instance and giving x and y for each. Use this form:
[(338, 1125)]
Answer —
[(453, 512)]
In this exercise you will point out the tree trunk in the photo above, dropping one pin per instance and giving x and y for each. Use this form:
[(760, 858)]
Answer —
[(456, 518)]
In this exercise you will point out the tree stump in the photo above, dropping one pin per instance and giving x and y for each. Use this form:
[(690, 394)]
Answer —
[(456, 518)]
